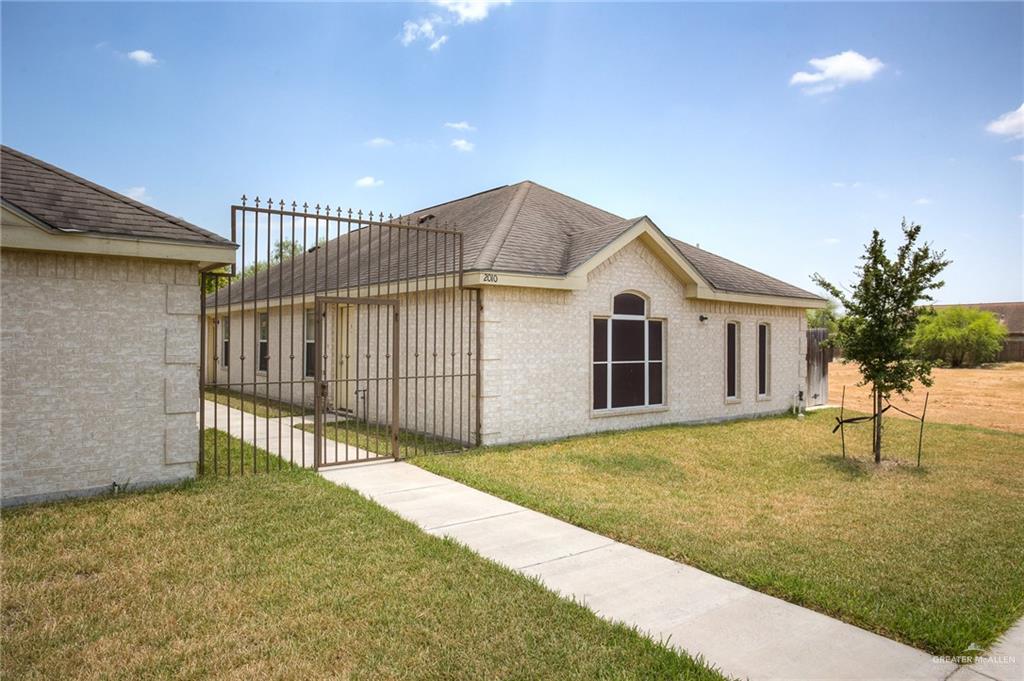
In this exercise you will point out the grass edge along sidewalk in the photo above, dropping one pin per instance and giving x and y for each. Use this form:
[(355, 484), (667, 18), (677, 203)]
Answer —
[(284, 574), (932, 557)]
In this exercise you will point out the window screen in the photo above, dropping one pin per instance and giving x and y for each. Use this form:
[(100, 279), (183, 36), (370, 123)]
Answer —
[(264, 342), (731, 356), (628, 303), (225, 340), (763, 341), (628, 357), (309, 361)]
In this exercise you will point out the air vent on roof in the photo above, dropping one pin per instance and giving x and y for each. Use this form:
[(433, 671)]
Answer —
[(426, 218)]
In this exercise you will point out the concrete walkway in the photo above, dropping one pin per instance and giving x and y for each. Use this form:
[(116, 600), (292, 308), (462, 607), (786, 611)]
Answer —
[(744, 633), (279, 435)]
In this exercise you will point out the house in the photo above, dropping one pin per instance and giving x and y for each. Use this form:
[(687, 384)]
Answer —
[(1012, 317), (578, 321), (100, 337)]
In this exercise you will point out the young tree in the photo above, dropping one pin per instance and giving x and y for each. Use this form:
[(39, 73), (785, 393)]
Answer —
[(959, 336), (281, 251), (824, 317), (882, 310)]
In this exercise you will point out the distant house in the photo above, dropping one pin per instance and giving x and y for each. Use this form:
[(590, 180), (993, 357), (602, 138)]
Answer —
[(588, 321), (1012, 317), (100, 335)]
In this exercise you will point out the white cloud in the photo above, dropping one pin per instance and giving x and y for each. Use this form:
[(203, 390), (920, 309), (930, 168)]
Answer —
[(137, 193), (436, 45), (368, 181), (142, 57), (414, 30), (830, 241), (1010, 124), (832, 73), (1018, 157), (463, 145), (922, 201), (379, 142), (470, 10), (851, 185), (461, 125)]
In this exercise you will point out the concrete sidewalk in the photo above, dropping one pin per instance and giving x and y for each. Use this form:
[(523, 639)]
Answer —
[(746, 634), (279, 435)]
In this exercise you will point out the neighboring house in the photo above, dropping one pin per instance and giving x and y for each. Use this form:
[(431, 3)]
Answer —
[(588, 322), (100, 339), (1012, 317)]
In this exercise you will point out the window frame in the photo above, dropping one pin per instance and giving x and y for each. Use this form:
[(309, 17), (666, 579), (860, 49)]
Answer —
[(262, 344), (607, 364), (309, 338), (736, 397), (225, 341), (767, 364)]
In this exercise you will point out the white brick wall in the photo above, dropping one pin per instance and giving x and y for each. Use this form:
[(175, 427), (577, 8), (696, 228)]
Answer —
[(98, 357), (537, 354)]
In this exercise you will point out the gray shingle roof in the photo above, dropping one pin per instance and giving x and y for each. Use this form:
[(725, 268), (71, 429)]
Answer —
[(726, 275), (67, 202), (522, 228)]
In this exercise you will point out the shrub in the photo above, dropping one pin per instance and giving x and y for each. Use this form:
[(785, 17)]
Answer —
[(959, 336)]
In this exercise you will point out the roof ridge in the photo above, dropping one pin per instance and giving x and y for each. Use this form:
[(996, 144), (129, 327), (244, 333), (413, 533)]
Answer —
[(461, 198), (603, 225), (571, 198), (155, 212), (489, 253)]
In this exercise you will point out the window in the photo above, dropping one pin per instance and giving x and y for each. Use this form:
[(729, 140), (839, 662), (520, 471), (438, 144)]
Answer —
[(732, 358), (310, 358), (764, 346), (628, 356), (264, 343), (225, 341)]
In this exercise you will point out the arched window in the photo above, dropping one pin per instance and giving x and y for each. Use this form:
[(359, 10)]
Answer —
[(628, 356)]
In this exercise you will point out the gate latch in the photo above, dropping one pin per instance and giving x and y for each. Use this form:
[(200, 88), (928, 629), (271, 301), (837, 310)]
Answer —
[(323, 388)]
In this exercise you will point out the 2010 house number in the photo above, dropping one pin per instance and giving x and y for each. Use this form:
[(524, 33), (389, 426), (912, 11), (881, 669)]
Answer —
[(490, 278)]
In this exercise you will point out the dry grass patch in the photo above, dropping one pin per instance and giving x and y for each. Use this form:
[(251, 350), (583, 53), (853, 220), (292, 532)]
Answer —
[(283, 575), (989, 396), (931, 556)]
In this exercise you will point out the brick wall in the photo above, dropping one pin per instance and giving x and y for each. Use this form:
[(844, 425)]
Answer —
[(99, 384), (537, 354)]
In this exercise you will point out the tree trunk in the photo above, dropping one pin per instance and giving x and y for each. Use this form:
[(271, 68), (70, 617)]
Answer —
[(877, 439)]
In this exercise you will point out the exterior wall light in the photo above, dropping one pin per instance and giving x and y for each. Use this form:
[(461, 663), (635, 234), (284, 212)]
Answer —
[(703, 318)]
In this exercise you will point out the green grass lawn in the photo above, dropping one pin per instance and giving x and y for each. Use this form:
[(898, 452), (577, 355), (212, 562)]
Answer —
[(254, 404), (283, 575), (931, 556)]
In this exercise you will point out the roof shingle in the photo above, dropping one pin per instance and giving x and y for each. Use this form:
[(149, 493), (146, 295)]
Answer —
[(523, 228), (70, 203)]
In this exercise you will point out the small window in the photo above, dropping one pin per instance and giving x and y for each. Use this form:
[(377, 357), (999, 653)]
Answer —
[(264, 342), (628, 304), (310, 357), (732, 353), (628, 356), (225, 341), (764, 346)]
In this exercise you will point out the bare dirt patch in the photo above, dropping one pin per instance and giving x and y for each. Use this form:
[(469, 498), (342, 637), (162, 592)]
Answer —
[(991, 396)]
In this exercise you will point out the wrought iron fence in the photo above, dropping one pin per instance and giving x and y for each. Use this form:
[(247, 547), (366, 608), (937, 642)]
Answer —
[(338, 337)]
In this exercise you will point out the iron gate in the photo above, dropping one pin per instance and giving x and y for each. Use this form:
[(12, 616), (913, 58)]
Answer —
[(336, 337)]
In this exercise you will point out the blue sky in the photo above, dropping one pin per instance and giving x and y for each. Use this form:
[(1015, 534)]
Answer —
[(689, 113)]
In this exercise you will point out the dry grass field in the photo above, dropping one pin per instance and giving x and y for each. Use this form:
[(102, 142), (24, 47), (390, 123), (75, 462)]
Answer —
[(991, 396)]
